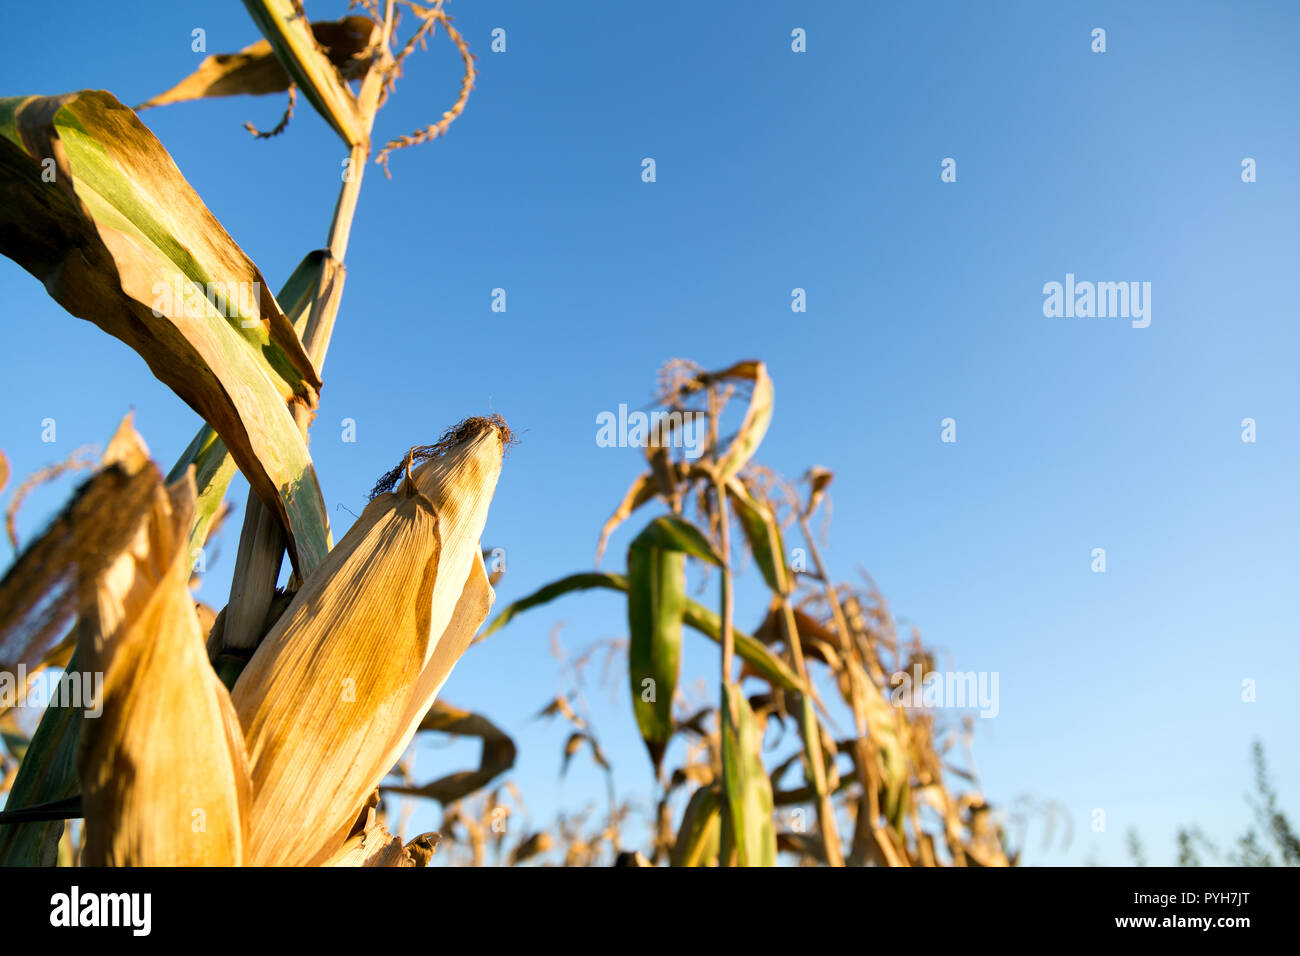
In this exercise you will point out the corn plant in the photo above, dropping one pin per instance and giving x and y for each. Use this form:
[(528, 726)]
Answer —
[(274, 731), (259, 737), (887, 802)]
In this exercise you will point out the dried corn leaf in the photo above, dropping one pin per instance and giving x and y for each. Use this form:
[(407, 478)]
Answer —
[(819, 479), (574, 744), (561, 705), (255, 70), (497, 757), (213, 465), (373, 845), (757, 416), (55, 575), (534, 845), (643, 490)]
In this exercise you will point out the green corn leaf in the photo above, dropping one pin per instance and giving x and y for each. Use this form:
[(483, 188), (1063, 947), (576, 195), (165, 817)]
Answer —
[(670, 533), (93, 206), (763, 535), (48, 772), (746, 784), (656, 608), (213, 464), (213, 469), (698, 838), (752, 651), (656, 602)]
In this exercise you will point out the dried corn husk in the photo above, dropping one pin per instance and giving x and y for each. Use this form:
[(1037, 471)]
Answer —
[(373, 845), (163, 769), (337, 689)]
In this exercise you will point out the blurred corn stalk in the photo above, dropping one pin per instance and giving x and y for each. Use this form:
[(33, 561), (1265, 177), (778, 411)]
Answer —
[(880, 795), (260, 735)]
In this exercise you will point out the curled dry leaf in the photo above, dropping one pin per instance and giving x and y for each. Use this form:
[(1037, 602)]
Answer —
[(255, 70), (574, 744), (643, 490), (498, 754), (757, 416), (534, 845), (819, 479), (561, 705)]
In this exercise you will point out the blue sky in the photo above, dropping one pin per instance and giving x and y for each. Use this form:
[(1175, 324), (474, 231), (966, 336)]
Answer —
[(819, 170)]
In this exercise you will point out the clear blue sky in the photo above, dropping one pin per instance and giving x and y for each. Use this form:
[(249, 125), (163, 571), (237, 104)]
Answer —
[(820, 170)]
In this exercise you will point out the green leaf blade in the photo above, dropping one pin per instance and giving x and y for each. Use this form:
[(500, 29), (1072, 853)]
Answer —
[(93, 206)]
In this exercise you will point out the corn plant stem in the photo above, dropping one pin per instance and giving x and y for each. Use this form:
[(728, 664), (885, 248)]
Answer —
[(320, 320), (869, 659), (728, 633), (724, 531), (728, 639), (864, 749), (728, 659), (262, 541), (814, 761)]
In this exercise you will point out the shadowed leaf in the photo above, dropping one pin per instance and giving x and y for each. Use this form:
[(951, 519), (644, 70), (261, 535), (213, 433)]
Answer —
[(94, 207)]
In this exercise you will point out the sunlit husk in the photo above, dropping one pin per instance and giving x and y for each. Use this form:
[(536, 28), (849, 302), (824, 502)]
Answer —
[(163, 770), (337, 689)]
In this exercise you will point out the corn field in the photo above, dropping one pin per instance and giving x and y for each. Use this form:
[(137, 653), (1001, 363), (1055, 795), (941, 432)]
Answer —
[(278, 728)]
